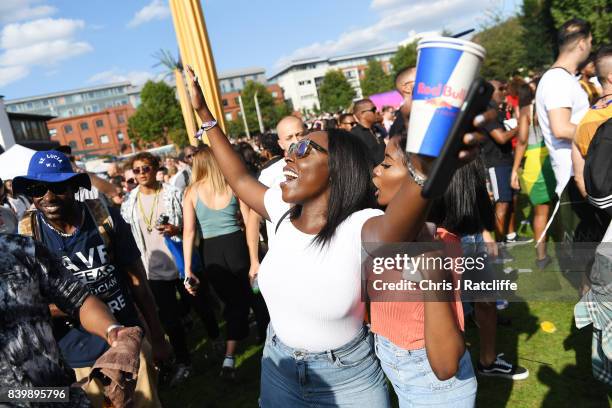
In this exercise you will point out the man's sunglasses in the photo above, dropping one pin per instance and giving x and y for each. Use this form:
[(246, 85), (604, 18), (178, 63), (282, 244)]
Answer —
[(131, 181), (351, 124), (303, 148), (143, 170), (40, 189), (372, 109)]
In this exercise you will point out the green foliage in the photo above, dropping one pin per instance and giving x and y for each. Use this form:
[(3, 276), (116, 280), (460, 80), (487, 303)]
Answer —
[(158, 114), (596, 12), (282, 110), (179, 137), (538, 33), (505, 49), (406, 56), (375, 80), (235, 128), (335, 92), (266, 106)]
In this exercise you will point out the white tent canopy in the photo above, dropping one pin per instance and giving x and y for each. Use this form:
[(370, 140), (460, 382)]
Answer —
[(15, 161)]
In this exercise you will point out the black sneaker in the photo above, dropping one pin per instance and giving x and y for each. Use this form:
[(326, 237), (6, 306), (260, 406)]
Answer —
[(544, 262), (517, 240), (502, 368)]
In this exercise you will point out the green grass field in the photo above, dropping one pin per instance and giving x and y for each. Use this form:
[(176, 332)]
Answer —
[(559, 363)]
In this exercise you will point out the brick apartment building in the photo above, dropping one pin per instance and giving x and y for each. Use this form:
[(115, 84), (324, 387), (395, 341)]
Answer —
[(103, 132), (231, 106)]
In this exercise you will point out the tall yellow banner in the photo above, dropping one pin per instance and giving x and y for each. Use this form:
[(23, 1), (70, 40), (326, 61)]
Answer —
[(195, 50)]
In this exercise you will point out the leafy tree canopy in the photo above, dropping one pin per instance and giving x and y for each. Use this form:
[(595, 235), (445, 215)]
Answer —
[(335, 92)]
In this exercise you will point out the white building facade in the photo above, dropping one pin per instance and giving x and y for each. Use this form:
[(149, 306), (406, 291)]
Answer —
[(301, 79)]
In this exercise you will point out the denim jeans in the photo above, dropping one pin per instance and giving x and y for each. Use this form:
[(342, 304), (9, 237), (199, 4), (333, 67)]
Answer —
[(349, 376), (415, 383)]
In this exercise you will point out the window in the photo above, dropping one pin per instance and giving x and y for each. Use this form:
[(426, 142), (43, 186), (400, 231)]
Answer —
[(236, 101), (99, 123), (84, 126), (274, 94), (225, 102), (72, 144), (120, 118), (52, 132), (88, 141), (67, 128), (120, 136), (104, 139), (228, 116)]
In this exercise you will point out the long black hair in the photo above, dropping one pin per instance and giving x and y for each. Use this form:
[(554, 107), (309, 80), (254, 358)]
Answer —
[(350, 181), (465, 208)]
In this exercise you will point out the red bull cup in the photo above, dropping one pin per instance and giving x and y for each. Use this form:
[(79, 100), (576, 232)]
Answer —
[(446, 67)]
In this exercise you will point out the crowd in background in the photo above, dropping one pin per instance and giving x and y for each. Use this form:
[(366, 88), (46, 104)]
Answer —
[(185, 232)]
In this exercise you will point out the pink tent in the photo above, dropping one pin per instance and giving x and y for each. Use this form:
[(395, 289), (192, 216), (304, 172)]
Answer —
[(391, 98)]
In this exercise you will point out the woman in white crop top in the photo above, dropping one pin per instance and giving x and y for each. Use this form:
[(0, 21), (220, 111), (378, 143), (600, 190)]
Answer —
[(318, 351)]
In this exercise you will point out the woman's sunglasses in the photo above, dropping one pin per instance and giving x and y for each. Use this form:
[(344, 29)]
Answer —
[(40, 189), (303, 148), (143, 170)]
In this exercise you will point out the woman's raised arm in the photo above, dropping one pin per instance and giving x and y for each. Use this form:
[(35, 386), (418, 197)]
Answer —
[(245, 186), (406, 213)]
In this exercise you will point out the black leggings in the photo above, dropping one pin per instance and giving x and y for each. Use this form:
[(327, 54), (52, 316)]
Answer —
[(226, 267), (170, 317)]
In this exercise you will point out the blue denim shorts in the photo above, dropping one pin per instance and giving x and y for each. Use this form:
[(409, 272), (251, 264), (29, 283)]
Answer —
[(349, 376), (415, 383)]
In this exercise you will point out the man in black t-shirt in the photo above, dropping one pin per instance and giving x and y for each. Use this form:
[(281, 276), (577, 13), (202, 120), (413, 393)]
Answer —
[(498, 157), (366, 116)]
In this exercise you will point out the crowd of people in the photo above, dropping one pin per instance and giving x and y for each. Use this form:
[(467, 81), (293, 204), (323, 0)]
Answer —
[(270, 230)]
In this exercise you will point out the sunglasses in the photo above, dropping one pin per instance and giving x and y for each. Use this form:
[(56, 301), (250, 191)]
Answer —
[(143, 170), (303, 148), (372, 109), (351, 124), (131, 181), (39, 190)]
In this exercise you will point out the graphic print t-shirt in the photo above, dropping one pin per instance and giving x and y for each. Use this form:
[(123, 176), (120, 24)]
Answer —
[(85, 256)]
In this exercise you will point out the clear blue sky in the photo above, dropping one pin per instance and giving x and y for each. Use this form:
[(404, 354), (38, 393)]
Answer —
[(56, 45)]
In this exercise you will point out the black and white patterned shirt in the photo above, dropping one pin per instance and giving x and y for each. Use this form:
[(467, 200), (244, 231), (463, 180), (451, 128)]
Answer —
[(30, 279)]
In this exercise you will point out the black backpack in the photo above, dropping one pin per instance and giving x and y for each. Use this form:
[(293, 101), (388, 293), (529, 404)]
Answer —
[(598, 168)]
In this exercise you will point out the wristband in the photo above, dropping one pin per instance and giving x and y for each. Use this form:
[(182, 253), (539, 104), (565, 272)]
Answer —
[(206, 126)]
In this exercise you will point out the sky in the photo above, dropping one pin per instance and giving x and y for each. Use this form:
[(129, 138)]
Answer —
[(56, 45)]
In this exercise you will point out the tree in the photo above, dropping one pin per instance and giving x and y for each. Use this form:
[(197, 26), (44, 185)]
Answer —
[(158, 114), (179, 137), (505, 49), (266, 105), (405, 57), (235, 128), (335, 92), (596, 12), (375, 80), (539, 36)]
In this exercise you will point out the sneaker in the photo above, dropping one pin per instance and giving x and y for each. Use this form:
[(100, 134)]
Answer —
[(181, 373), (517, 240), (502, 368), (502, 304), (228, 370), (544, 262)]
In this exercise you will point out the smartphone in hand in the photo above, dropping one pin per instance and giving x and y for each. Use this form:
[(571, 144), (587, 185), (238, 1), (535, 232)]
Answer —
[(445, 165)]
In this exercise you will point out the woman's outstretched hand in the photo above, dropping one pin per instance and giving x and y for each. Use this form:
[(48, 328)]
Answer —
[(197, 96)]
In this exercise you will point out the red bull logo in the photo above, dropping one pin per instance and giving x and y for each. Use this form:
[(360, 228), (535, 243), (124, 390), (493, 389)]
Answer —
[(443, 96)]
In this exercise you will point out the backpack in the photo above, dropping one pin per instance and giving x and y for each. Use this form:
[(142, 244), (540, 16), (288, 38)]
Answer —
[(598, 168), (28, 225)]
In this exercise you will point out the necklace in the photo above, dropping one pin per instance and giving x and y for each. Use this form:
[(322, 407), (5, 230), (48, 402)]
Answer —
[(148, 220), (61, 233)]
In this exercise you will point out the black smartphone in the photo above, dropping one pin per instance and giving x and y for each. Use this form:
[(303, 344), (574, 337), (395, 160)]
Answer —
[(162, 220), (445, 165)]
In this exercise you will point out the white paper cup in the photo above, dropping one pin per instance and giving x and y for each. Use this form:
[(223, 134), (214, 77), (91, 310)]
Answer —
[(446, 67)]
